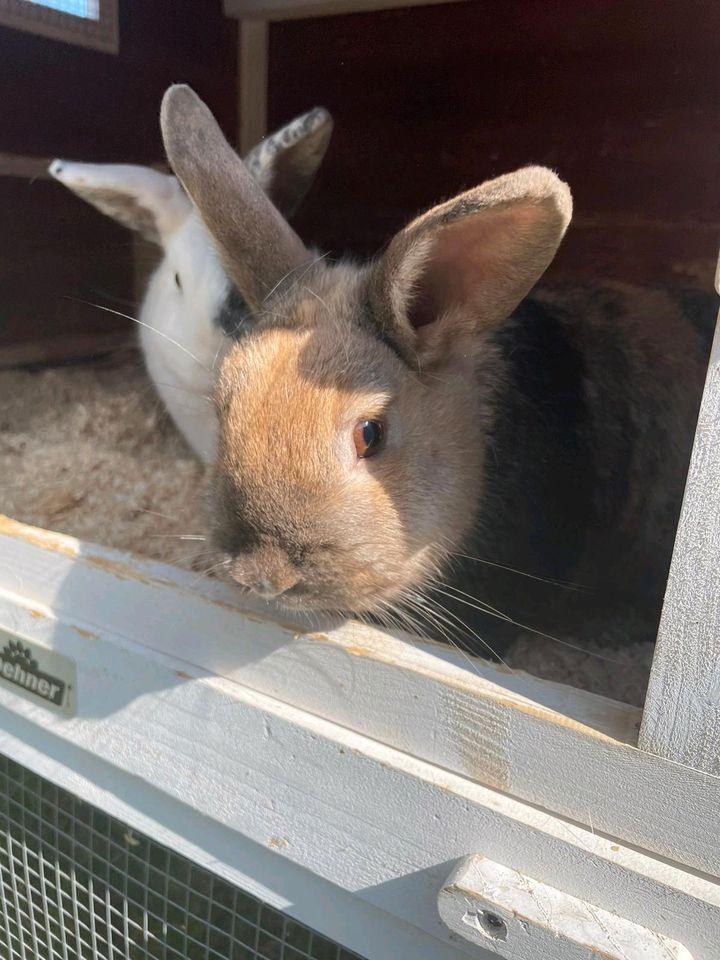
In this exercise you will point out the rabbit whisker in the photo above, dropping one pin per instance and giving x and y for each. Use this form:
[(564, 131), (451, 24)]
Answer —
[(217, 354), (155, 513), (141, 323), (317, 297), (174, 386), (521, 573), (490, 611), (178, 536), (441, 613), (290, 272), (209, 571)]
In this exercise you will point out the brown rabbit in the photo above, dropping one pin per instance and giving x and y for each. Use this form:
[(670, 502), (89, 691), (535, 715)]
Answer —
[(386, 429)]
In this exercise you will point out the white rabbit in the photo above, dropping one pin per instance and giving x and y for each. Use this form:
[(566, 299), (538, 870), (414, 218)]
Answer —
[(190, 310)]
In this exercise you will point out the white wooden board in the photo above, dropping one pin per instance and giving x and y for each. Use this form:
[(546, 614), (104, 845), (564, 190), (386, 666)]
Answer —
[(516, 916), (682, 710), (363, 816), (567, 751)]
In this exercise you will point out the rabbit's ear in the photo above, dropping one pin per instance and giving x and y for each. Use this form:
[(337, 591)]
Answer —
[(139, 198), (285, 162), (258, 247), (466, 264)]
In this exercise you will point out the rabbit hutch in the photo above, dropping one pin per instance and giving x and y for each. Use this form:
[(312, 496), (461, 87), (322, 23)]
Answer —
[(185, 773)]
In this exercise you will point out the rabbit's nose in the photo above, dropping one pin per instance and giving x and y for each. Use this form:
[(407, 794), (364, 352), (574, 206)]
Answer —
[(270, 587), (267, 575)]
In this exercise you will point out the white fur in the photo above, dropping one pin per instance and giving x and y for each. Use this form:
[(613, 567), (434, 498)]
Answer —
[(180, 339)]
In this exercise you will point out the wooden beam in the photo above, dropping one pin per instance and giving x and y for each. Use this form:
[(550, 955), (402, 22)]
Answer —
[(252, 82), (681, 721), (26, 168), (258, 869), (297, 9), (70, 346)]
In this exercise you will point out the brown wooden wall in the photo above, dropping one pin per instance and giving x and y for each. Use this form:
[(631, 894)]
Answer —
[(67, 101), (619, 95)]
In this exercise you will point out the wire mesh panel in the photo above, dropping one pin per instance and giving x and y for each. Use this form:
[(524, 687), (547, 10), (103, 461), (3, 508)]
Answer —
[(76, 884)]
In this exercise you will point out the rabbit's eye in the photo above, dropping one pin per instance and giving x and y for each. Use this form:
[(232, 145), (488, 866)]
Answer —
[(368, 436), (177, 281)]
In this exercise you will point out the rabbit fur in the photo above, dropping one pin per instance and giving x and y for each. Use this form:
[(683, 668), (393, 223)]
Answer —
[(190, 310), (514, 436)]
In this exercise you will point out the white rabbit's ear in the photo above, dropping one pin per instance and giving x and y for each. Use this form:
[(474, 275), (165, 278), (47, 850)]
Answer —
[(139, 198), (285, 162)]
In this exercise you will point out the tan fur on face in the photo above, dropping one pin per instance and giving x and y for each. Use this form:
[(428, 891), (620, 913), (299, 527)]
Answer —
[(342, 534)]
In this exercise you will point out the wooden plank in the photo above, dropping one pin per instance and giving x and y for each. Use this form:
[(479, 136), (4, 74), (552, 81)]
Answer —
[(298, 9), (488, 905), (366, 817), (69, 347), (62, 572), (30, 168), (439, 81), (681, 720), (252, 82), (565, 750)]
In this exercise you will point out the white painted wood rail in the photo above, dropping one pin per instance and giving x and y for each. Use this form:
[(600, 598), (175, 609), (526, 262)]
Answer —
[(681, 720), (371, 766), (569, 751), (491, 906)]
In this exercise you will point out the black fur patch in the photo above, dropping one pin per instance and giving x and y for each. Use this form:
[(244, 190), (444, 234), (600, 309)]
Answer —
[(540, 467), (538, 501), (234, 316)]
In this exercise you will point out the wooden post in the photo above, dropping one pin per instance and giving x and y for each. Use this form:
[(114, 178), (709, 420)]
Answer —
[(300, 9), (25, 168), (681, 720), (252, 82)]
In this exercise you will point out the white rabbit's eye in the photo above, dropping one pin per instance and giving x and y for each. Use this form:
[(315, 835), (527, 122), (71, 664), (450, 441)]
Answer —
[(368, 437), (177, 281)]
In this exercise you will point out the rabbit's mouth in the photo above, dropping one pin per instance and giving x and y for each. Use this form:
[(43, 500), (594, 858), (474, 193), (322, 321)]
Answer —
[(327, 578), (303, 596), (333, 599)]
